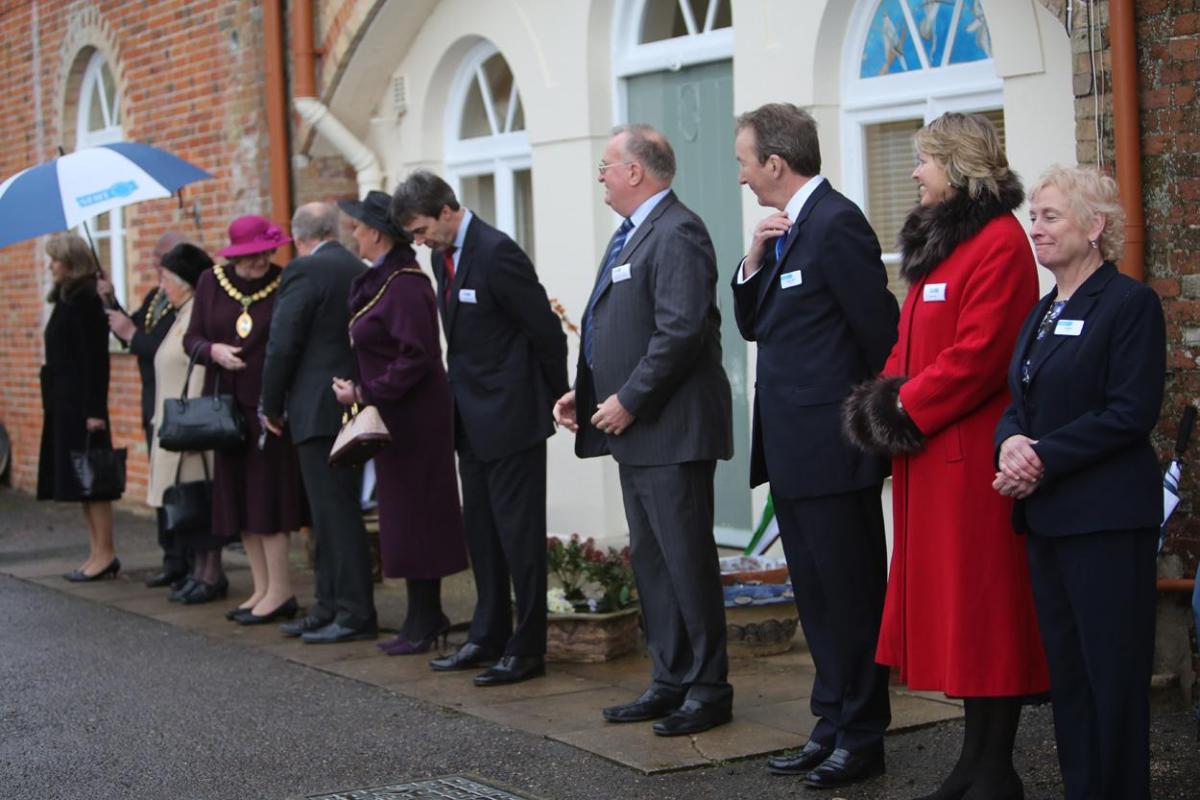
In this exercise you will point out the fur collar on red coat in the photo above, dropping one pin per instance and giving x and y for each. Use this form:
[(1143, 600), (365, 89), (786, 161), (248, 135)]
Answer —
[(930, 234)]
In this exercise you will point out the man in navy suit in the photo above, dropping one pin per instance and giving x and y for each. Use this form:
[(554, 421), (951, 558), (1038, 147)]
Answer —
[(507, 364), (812, 292)]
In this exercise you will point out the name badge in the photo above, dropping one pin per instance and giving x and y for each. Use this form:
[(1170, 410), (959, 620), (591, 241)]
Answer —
[(467, 296), (789, 279), (621, 273), (1068, 327), (935, 293)]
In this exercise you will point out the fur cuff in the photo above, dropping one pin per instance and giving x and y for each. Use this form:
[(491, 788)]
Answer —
[(872, 422)]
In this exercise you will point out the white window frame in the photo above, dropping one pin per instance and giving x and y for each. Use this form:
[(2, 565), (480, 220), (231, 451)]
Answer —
[(499, 155), (919, 94), (630, 57), (111, 132)]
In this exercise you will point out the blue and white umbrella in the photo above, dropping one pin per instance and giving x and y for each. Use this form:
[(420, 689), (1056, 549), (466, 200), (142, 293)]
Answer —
[(62, 193)]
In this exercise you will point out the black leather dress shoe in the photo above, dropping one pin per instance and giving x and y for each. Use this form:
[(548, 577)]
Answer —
[(512, 669), (301, 626), (163, 578), (801, 762), (652, 704), (843, 768), (469, 656), (692, 717), (333, 633), (183, 591), (288, 608)]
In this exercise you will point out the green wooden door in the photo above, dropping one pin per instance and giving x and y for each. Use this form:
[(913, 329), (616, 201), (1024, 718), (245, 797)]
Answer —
[(694, 108)]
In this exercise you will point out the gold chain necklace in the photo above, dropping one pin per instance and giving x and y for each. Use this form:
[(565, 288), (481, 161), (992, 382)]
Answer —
[(245, 323), (160, 304), (371, 303)]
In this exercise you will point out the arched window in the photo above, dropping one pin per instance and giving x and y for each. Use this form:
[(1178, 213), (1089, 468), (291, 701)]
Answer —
[(487, 152), (906, 63), (98, 121), (652, 35)]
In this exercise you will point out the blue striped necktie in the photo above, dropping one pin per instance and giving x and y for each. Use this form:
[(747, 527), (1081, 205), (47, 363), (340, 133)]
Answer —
[(610, 260)]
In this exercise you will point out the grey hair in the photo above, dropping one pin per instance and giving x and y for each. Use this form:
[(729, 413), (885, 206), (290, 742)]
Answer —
[(315, 222), (650, 148), (787, 131)]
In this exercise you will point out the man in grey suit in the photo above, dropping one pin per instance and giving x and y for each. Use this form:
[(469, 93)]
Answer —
[(309, 346), (650, 390)]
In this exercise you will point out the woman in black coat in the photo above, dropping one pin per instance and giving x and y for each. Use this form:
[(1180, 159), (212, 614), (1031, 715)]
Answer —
[(75, 394), (1074, 451)]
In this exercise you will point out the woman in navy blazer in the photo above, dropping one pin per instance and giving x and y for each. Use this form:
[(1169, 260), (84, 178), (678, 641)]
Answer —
[(1074, 450)]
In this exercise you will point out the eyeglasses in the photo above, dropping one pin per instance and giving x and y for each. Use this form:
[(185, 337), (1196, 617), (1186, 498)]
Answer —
[(601, 167)]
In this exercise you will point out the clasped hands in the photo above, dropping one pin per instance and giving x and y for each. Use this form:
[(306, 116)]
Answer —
[(1021, 469), (610, 417)]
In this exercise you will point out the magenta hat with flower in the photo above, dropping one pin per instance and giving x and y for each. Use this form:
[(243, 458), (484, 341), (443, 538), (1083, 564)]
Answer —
[(252, 234)]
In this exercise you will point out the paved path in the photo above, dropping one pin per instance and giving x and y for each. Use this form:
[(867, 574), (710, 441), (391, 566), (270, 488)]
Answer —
[(98, 701)]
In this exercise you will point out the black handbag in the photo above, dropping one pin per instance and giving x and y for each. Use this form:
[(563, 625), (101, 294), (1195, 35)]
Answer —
[(210, 422), (100, 473), (187, 507)]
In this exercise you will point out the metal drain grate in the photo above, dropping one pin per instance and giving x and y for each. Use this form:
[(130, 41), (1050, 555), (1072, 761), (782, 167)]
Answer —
[(452, 788)]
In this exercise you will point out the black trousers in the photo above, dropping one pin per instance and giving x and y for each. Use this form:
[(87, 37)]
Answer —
[(504, 516), (670, 514), (175, 555), (1095, 599), (837, 558), (344, 587)]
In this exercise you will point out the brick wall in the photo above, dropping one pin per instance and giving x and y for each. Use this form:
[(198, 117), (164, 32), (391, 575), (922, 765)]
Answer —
[(190, 73)]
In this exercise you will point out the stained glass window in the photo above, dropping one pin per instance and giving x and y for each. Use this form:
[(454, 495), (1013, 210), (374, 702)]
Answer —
[(910, 35)]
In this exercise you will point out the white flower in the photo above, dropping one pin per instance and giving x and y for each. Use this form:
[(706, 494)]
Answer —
[(557, 602), (593, 604)]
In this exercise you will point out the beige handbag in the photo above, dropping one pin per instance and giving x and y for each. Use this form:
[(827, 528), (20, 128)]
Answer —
[(363, 434)]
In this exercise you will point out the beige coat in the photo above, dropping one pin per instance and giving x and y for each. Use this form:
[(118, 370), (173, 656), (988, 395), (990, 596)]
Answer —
[(170, 369)]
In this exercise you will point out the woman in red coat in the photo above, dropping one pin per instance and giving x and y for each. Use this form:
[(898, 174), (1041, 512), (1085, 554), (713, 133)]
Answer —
[(394, 334), (959, 615)]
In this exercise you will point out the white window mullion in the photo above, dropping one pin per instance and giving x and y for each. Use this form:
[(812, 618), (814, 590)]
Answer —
[(711, 17), (918, 45), (506, 216), (485, 92), (958, 7), (513, 101), (689, 19)]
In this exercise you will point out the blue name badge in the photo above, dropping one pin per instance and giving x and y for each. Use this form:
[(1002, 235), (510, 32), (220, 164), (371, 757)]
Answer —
[(466, 296), (1068, 327), (789, 279)]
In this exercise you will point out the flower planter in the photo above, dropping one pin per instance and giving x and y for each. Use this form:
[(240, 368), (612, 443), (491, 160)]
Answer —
[(591, 637), (760, 620)]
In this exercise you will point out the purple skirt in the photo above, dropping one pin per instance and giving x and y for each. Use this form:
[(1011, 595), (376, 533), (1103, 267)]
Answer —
[(257, 491)]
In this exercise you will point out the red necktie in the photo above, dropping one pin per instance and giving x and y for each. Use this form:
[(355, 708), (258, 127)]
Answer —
[(448, 260)]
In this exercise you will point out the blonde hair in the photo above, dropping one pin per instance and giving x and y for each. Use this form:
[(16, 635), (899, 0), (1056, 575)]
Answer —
[(968, 148), (1089, 194), (80, 266)]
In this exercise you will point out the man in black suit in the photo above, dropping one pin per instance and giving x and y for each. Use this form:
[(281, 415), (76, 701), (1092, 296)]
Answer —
[(650, 390), (507, 362), (308, 347), (142, 334), (812, 292)]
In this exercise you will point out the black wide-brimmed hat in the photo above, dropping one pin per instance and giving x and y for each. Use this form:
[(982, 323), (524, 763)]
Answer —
[(187, 261), (373, 211)]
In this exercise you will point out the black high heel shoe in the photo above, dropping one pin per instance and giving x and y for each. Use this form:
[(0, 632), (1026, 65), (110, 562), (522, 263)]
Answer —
[(289, 608), (183, 591), (207, 592), (235, 612), (79, 576)]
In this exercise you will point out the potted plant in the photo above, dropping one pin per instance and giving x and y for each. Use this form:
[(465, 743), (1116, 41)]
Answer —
[(593, 613)]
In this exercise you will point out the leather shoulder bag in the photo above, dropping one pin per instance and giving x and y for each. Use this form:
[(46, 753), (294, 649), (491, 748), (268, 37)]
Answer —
[(187, 506), (210, 422)]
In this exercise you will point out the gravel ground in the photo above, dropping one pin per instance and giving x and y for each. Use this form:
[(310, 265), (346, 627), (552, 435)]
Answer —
[(99, 703)]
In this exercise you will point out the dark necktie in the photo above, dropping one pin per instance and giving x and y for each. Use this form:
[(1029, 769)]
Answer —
[(448, 261), (610, 260)]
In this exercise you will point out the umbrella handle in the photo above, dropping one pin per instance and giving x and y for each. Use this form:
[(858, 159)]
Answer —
[(1185, 428)]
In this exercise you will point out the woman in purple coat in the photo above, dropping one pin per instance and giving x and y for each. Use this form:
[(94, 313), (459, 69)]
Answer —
[(257, 493), (394, 334)]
